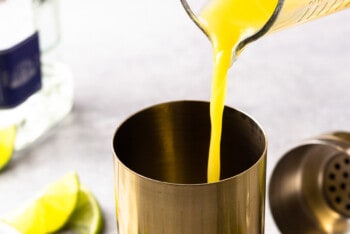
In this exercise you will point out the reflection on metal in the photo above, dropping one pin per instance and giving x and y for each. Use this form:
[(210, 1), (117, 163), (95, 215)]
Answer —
[(309, 190), (160, 157)]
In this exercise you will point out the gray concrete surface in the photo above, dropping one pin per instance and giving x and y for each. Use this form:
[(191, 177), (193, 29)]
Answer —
[(127, 55)]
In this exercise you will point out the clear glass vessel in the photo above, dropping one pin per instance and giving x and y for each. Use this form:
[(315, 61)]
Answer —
[(287, 13), (49, 105)]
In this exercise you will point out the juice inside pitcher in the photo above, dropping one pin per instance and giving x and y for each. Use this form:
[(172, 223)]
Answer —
[(294, 12), (230, 23)]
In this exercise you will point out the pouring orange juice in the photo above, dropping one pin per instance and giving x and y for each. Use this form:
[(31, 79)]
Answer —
[(227, 23)]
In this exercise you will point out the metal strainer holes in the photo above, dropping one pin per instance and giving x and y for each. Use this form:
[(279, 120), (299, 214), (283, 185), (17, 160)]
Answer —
[(347, 161), (338, 200), (337, 184), (332, 188), (343, 186), (337, 166)]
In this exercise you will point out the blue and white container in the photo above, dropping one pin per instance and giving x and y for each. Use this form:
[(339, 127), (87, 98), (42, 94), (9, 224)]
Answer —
[(36, 88)]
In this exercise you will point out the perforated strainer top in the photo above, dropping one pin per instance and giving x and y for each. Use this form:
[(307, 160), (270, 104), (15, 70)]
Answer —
[(337, 184)]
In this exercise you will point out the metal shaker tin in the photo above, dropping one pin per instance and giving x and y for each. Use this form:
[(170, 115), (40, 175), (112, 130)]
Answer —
[(309, 191), (160, 160)]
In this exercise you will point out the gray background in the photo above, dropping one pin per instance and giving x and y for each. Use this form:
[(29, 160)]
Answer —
[(127, 55)]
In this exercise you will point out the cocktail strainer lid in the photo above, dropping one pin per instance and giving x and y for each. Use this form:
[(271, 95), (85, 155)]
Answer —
[(309, 190)]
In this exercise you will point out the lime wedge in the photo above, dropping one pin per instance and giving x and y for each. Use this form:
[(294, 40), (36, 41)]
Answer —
[(87, 216), (50, 210), (7, 144)]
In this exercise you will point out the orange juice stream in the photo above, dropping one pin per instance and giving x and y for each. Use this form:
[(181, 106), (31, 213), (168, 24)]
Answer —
[(228, 22)]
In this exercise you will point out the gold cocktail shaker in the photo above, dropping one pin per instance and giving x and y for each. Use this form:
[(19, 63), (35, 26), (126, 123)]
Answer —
[(309, 190), (161, 156)]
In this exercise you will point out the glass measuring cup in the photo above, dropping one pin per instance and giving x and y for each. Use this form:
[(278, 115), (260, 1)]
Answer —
[(286, 14)]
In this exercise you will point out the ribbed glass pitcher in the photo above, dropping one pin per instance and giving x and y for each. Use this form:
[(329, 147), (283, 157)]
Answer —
[(286, 14)]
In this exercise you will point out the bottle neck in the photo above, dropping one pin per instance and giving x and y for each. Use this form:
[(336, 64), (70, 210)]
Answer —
[(16, 22)]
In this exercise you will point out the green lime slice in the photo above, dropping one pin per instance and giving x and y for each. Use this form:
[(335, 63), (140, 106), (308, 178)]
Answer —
[(7, 144), (49, 210), (87, 216)]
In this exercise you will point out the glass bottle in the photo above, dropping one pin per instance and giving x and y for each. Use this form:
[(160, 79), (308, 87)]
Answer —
[(45, 107)]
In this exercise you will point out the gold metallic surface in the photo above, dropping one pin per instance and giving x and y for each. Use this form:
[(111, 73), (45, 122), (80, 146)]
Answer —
[(308, 194), (160, 158)]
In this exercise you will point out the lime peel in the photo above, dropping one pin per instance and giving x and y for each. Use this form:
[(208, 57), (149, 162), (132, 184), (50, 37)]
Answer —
[(87, 216)]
